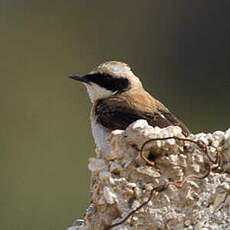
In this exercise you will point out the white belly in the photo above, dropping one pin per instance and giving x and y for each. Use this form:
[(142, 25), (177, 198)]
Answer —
[(99, 134)]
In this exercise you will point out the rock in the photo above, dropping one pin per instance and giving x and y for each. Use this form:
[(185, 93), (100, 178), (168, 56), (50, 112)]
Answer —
[(122, 181)]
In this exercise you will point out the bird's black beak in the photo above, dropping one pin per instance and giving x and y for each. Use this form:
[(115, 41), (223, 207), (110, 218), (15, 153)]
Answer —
[(80, 78)]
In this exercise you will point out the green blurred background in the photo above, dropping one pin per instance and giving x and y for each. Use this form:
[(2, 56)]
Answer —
[(180, 49)]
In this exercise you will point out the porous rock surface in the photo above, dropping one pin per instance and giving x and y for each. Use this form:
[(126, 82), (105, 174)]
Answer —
[(121, 181)]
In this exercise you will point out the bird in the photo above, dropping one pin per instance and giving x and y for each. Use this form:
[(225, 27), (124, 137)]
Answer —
[(119, 99)]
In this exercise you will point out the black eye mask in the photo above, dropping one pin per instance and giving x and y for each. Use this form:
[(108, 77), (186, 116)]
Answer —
[(108, 82)]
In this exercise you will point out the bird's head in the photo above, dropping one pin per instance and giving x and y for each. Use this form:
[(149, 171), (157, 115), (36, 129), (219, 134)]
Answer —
[(107, 79)]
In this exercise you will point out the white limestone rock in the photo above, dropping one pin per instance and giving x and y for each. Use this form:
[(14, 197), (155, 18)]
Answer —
[(122, 180)]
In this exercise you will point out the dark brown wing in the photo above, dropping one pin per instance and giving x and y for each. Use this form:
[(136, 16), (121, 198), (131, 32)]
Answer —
[(117, 116), (165, 118)]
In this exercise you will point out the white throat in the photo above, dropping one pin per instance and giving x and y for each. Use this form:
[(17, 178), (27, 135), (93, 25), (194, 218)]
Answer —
[(96, 92)]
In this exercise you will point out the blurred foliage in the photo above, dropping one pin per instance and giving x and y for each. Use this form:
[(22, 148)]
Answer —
[(180, 49)]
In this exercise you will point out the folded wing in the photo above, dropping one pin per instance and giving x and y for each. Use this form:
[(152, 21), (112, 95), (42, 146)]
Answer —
[(118, 116)]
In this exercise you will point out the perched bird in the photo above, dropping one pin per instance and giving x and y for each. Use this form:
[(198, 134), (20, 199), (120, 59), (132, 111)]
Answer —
[(119, 99)]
